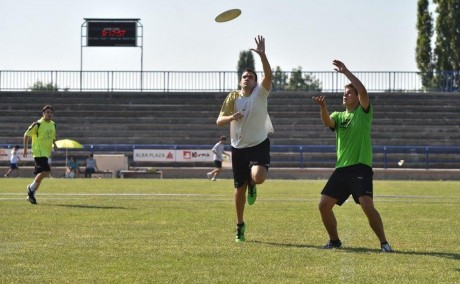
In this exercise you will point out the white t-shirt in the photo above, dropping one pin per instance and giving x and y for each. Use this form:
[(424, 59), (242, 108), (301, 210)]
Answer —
[(218, 151), (14, 157), (255, 125)]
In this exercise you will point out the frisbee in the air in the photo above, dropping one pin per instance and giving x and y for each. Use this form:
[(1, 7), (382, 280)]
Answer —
[(228, 15)]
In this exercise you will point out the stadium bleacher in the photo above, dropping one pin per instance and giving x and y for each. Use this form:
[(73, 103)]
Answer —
[(188, 118)]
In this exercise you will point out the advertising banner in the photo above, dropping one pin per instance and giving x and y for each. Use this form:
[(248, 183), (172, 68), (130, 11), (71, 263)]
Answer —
[(194, 156), (6, 153), (187, 155), (148, 155)]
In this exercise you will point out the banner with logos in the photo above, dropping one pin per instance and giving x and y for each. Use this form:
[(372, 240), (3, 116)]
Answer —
[(5, 154), (161, 155)]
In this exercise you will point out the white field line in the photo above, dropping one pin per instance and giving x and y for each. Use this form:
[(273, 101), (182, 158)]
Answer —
[(114, 194), (219, 197)]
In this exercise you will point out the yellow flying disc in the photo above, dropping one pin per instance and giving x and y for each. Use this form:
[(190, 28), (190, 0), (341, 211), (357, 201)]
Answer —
[(228, 15)]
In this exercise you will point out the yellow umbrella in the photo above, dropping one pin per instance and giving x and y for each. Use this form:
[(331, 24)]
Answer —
[(68, 144)]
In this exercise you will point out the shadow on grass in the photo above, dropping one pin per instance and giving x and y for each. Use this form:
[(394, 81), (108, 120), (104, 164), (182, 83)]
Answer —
[(284, 244), (91, 206), (448, 255)]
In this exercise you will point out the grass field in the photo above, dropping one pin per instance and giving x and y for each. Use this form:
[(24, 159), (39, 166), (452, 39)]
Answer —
[(182, 231)]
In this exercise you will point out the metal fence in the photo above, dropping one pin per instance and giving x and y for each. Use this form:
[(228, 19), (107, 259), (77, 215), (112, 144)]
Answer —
[(421, 157), (303, 156), (211, 81)]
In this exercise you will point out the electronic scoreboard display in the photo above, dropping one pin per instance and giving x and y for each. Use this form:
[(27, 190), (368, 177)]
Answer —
[(111, 33)]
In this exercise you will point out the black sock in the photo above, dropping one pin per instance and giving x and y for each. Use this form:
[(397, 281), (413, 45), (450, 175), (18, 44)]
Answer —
[(335, 242), (240, 225), (384, 243)]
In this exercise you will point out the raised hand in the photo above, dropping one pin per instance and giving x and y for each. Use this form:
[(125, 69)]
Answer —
[(341, 68), (321, 100), (260, 42)]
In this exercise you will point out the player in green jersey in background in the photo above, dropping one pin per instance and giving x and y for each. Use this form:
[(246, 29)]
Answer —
[(43, 134)]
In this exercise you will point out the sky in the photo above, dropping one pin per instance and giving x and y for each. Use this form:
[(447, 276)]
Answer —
[(181, 35)]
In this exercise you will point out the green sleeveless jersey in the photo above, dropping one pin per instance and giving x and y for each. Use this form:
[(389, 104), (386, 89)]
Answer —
[(353, 137), (43, 134)]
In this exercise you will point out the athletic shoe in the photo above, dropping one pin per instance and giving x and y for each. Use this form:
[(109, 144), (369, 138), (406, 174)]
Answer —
[(333, 245), (252, 194), (213, 179), (240, 233), (386, 248), (30, 195), (209, 175)]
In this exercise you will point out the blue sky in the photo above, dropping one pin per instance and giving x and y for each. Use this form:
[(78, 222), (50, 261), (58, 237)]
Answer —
[(181, 35)]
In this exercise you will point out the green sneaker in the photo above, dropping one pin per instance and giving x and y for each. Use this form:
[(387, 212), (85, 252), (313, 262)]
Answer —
[(252, 194), (240, 233)]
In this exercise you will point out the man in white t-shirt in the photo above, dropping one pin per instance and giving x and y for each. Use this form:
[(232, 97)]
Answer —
[(218, 151), (246, 112), (14, 158)]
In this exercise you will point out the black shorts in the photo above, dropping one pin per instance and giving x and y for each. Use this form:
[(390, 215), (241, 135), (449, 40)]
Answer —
[(41, 165), (243, 159), (13, 166), (356, 180), (218, 164)]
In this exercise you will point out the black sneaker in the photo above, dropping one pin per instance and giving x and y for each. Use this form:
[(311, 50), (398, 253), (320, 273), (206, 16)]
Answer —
[(30, 195), (386, 247), (333, 245)]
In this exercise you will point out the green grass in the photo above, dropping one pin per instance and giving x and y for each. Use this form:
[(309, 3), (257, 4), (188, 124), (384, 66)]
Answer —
[(182, 231)]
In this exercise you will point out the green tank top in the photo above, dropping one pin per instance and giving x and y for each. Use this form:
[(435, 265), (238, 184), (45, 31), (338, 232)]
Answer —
[(353, 137)]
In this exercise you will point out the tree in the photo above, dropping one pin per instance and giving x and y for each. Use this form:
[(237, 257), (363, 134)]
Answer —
[(442, 48), (445, 56), (447, 45), (40, 87), (296, 81), (313, 84), (455, 39), (279, 82), (246, 61), (423, 51), (299, 82), (454, 12)]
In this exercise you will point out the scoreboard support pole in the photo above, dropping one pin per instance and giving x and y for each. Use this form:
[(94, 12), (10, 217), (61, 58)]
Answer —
[(112, 33)]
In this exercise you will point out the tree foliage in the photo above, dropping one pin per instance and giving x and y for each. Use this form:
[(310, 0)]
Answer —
[(445, 58), (423, 51), (246, 60), (40, 87), (280, 78), (442, 48), (455, 40), (298, 81)]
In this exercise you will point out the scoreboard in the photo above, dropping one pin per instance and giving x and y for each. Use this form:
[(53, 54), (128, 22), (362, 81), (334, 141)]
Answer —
[(111, 33)]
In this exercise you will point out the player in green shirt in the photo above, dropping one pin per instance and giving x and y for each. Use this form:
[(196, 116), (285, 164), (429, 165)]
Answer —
[(43, 134), (353, 173)]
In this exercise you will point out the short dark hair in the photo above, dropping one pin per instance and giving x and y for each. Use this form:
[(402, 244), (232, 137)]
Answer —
[(47, 107), (250, 70), (350, 86), (223, 138)]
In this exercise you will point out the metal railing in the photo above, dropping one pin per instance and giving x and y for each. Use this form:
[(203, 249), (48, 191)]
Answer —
[(303, 156), (212, 81), (422, 157)]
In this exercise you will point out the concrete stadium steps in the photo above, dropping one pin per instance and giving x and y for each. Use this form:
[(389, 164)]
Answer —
[(189, 118)]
